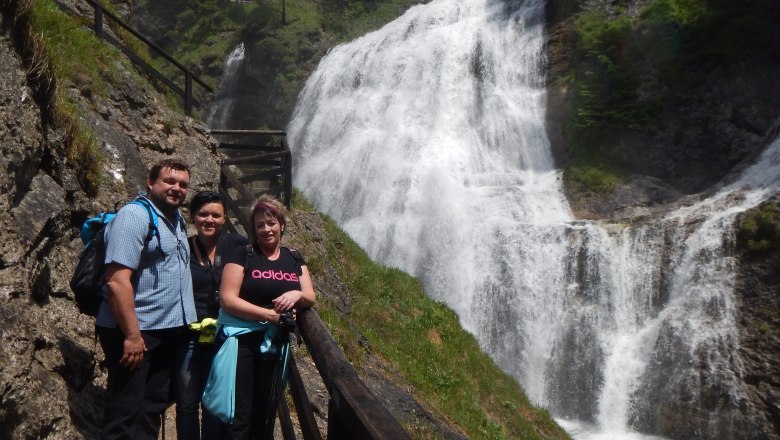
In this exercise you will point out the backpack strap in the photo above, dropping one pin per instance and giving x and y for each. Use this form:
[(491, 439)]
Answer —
[(250, 252), (153, 222)]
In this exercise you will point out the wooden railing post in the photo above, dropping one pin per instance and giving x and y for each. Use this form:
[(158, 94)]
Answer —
[(188, 92), (99, 21), (287, 165), (352, 405), (336, 428), (285, 422), (303, 405)]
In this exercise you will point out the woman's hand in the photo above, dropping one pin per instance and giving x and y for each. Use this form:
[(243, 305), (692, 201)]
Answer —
[(286, 301)]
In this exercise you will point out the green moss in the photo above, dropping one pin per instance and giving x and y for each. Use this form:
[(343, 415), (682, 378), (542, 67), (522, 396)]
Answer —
[(591, 179), (759, 232), (763, 327)]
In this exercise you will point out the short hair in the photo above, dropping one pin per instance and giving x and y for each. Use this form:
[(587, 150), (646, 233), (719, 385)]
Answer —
[(267, 204), (173, 164), (204, 198)]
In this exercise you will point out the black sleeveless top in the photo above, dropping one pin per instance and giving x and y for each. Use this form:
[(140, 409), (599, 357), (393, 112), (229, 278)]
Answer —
[(206, 279)]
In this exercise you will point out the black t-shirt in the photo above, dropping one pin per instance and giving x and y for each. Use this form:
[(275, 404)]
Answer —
[(265, 280), (205, 285)]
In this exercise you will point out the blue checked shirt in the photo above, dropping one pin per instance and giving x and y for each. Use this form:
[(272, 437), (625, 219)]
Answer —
[(162, 284)]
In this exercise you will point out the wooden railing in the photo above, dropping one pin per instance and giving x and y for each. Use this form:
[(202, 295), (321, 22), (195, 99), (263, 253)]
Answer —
[(354, 412), (254, 156), (186, 93)]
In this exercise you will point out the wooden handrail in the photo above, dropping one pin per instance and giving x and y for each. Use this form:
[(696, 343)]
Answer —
[(189, 76), (255, 159), (277, 161), (359, 411), (266, 132)]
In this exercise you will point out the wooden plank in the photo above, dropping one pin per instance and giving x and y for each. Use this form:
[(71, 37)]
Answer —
[(362, 413), (239, 146), (336, 428), (303, 406), (285, 422), (269, 132), (276, 191), (232, 206), (356, 406), (253, 159), (246, 194), (287, 165), (263, 175)]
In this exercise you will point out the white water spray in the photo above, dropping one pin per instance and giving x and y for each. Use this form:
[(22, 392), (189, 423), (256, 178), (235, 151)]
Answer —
[(220, 111), (425, 141)]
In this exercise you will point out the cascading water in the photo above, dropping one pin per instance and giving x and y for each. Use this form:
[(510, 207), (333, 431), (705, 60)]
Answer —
[(425, 141), (220, 111)]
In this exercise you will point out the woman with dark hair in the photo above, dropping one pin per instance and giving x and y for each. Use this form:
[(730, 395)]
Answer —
[(208, 249), (262, 285)]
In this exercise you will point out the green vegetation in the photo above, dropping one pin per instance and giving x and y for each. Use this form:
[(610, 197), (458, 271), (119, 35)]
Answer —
[(591, 178), (284, 40), (670, 47), (759, 232), (425, 342), (58, 50)]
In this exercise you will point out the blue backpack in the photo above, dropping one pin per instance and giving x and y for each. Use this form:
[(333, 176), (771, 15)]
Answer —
[(90, 273)]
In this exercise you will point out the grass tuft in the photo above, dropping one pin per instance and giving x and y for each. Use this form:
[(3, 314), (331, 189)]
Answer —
[(56, 48)]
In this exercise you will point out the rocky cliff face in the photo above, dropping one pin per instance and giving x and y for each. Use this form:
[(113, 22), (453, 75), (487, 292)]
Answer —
[(51, 375), (699, 139), (704, 110), (51, 380)]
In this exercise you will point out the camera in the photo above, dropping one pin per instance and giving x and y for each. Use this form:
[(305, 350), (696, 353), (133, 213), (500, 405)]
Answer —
[(287, 321)]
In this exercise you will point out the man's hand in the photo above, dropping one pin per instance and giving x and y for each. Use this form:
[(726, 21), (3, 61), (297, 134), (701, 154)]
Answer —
[(134, 349)]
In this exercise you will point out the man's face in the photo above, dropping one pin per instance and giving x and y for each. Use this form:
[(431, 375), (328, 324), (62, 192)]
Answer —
[(170, 188)]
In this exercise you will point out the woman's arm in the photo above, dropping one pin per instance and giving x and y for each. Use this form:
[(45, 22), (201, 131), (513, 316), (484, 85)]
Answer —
[(232, 276), (297, 298)]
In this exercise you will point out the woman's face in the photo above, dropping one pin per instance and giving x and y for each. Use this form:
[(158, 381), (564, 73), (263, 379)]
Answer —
[(209, 219), (268, 231)]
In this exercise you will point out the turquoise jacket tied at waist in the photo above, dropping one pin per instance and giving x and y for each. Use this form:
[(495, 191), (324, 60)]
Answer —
[(219, 397)]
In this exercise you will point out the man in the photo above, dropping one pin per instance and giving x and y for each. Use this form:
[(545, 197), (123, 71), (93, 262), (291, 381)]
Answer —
[(148, 302)]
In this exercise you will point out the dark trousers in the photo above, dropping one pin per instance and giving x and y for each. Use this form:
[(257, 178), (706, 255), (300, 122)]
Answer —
[(254, 379), (135, 400), (193, 364)]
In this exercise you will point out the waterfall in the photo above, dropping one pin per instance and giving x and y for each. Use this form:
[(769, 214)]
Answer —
[(425, 140), (218, 114)]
